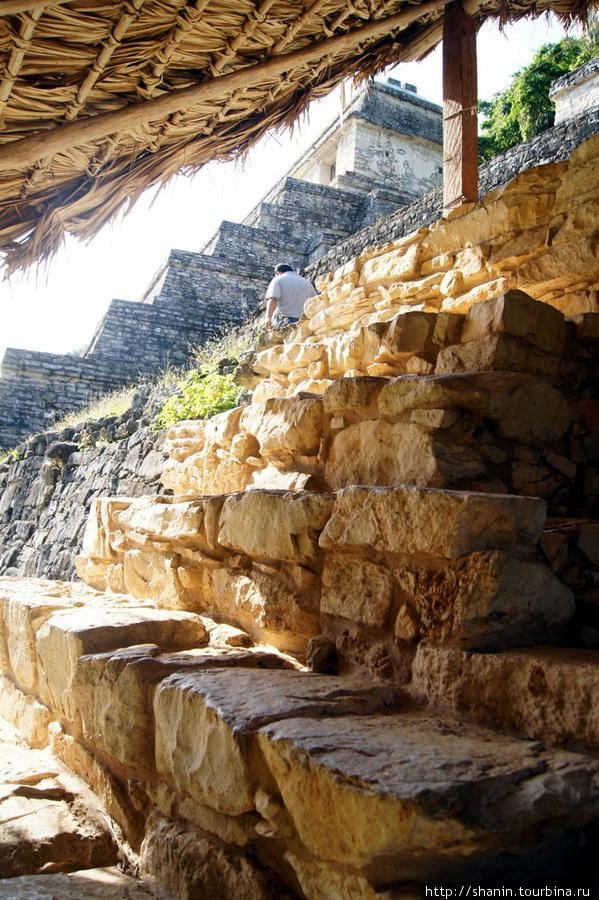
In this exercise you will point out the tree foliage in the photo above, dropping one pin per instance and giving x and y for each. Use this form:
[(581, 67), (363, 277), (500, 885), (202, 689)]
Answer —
[(524, 109)]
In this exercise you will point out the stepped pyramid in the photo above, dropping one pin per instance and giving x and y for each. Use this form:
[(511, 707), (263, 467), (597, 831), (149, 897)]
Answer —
[(354, 652), (386, 153)]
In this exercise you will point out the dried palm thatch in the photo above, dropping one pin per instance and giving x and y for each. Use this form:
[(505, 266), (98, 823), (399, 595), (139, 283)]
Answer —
[(101, 99)]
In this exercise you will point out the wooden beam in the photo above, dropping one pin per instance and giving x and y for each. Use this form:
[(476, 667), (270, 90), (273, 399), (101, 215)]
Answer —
[(46, 143), (429, 37), (460, 98)]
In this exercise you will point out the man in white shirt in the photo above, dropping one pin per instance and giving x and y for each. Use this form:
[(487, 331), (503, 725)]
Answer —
[(285, 296)]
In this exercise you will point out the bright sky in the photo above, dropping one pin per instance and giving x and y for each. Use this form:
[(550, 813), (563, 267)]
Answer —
[(57, 309)]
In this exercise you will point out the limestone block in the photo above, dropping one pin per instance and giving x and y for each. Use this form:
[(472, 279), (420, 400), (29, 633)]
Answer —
[(518, 314), (50, 837), (185, 477), (69, 634), (349, 395), (113, 694), (167, 579), (183, 861), (418, 290), (273, 478), (102, 535), (521, 407), (267, 606), (505, 353), (322, 880), (352, 350), (392, 266), (173, 523), (448, 328), (377, 452), (490, 221), (23, 617), (287, 357), (281, 526), (541, 693), (204, 724), (448, 524), (461, 302), (184, 439), (472, 260), (109, 790), (227, 477), (561, 267), (315, 304), (508, 255), (342, 315), (442, 263), (488, 600), (409, 332), (222, 428), (412, 797), (198, 750), (30, 717), (293, 425), (356, 588)]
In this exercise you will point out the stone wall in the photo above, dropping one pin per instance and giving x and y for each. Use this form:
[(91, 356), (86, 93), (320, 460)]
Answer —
[(35, 387), (571, 92), (47, 489), (554, 145)]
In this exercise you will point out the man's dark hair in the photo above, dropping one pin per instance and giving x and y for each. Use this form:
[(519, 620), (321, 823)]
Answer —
[(282, 267)]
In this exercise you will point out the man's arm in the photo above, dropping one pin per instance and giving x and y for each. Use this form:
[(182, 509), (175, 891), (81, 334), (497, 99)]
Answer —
[(271, 305)]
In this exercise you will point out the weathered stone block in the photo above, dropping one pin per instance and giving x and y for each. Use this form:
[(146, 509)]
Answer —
[(505, 353), (280, 526), (521, 407), (69, 634), (204, 724), (377, 452), (518, 314), (353, 395), (544, 693), (267, 605), (448, 524), (479, 601), (370, 793), (356, 588), (285, 425), (178, 857)]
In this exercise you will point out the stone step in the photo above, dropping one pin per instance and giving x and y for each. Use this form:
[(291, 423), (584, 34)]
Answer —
[(48, 820), (93, 884), (391, 798), (498, 432), (371, 568), (341, 783), (542, 693)]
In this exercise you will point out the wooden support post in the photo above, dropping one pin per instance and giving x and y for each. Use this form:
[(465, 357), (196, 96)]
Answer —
[(460, 123)]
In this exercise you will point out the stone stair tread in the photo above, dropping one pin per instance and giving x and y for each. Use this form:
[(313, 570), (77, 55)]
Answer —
[(540, 693), (107, 883), (404, 788), (48, 820)]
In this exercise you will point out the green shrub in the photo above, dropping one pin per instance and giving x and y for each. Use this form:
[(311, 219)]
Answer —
[(199, 396)]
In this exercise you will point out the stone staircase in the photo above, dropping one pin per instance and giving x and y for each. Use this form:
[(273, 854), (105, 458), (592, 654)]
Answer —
[(338, 660), (354, 651)]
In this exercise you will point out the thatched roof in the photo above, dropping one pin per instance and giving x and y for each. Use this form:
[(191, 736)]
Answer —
[(101, 99)]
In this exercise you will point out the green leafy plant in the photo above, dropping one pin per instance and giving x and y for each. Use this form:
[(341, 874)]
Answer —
[(524, 109), (199, 396)]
